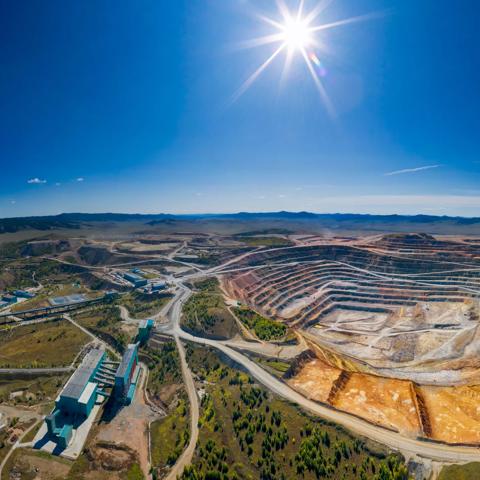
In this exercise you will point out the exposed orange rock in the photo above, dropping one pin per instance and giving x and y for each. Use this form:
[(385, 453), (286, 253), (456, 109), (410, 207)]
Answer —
[(454, 413), (315, 380)]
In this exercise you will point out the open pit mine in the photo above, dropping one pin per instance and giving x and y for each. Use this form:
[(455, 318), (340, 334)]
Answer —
[(392, 325)]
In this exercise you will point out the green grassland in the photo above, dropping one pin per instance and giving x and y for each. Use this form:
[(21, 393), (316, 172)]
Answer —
[(164, 370), (19, 273), (141, 305), (105, 322), (277, 368), (470, 471), (35, 389), (264, 328), (48, 344), (248, 433), (169, 437), (205, 312), (265, 241), (207, 285), (170, 434)]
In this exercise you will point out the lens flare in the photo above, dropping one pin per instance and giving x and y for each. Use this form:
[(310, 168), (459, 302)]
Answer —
[(319, 67)]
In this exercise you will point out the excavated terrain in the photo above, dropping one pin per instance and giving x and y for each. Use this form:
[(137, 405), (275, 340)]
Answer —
[(393, 321)]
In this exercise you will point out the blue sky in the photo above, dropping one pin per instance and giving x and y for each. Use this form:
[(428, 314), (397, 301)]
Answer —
[(127, 107)]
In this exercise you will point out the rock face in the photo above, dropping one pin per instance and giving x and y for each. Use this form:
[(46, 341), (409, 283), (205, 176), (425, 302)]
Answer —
[(393, 322), (410, 313)]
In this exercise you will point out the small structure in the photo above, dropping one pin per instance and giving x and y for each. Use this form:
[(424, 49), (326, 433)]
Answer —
[(23, 294), (6, 297), (144, 329), (68, 299), (111, 295), (127, 375), (157, 287), (135, 280)]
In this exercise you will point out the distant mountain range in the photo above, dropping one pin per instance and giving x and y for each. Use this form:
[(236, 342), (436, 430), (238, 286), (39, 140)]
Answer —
[(346, 221)]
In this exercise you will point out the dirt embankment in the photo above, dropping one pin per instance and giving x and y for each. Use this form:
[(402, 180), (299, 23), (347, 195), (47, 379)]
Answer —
[(423, 416), (298, 363), (112, 457)]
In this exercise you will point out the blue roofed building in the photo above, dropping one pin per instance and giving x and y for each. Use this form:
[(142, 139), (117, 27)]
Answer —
[(23, 294), (135, 280), (6, 297), (159, 286)]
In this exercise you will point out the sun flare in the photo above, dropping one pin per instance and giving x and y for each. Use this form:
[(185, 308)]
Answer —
[(296, 33)]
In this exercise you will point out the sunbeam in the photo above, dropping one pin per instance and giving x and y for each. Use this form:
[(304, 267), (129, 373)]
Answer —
[(246, 85)]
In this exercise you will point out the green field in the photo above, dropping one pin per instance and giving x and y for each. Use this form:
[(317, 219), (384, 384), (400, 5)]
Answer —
[(141, 305), (170, 436), (164, 371), (470, 471), (48, 344), (205, 312), (34, 389), (105, 322), (19, 273), (275, 367), (264, 328), (248, 433)]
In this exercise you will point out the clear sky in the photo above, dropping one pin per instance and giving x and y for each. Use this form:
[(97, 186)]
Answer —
[(127, 107)]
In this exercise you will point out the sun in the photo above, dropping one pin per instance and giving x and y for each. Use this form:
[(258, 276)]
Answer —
[(297, 33)]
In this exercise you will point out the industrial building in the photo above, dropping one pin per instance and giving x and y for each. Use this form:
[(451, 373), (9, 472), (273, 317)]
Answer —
[(79, 392), (6, 297), (97, 377), (156, 287), (79, 395), (135, 280), (68, 299), (127, 374), (144, 329), (23, 294)]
